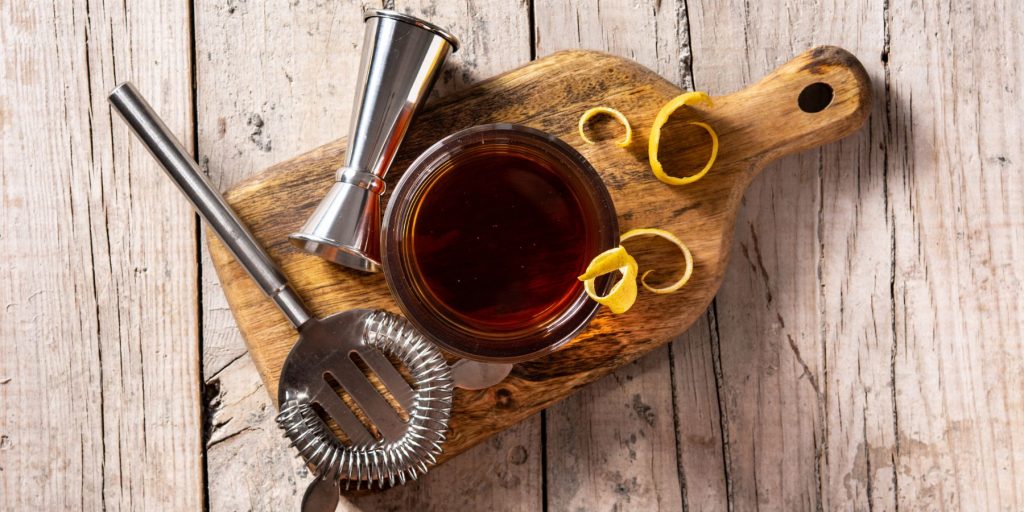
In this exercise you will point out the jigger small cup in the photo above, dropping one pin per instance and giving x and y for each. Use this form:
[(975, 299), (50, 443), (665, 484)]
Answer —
[(402, 57)]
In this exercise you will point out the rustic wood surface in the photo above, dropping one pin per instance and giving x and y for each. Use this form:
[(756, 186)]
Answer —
[(99, 361), (864, 350), (803, 335)]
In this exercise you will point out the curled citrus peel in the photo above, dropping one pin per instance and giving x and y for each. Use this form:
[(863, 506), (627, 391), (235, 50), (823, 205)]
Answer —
[(690, 98), (622, 296), (633, 233), (611, 112)]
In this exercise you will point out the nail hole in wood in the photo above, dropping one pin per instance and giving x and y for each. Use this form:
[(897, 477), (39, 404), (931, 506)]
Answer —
[(815, 97)]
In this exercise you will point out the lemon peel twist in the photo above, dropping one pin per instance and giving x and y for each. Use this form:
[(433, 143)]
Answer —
[(623, 294), (619, 116), (633, 233), (689, 98)]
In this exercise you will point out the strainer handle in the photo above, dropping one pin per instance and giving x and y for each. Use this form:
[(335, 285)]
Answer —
[(185, 173)]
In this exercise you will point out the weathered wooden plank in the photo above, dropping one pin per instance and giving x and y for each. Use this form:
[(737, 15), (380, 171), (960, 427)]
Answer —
[(504, 473), (956, 72), (99, 375), (702, 443), (273, 83), (856, 446), (267, 85), (270, 82), (613, 443), (804, 316)]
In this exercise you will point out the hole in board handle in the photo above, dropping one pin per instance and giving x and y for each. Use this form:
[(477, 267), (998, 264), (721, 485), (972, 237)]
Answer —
[(815, 97)]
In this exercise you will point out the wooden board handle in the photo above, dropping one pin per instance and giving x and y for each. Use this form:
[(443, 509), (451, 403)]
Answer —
[(790, 110)]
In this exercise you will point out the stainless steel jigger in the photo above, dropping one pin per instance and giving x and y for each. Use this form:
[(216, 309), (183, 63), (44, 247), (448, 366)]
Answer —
[(401, 59)]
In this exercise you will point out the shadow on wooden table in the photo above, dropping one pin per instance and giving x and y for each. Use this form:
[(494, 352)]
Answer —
[(802, 346)]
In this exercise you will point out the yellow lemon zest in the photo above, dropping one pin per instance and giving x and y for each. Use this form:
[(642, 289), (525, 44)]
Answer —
[(623, 294), (611, 112), (690, 98), (633, 233)]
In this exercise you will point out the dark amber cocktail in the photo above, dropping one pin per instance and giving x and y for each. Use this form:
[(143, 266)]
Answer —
[(484, 238)]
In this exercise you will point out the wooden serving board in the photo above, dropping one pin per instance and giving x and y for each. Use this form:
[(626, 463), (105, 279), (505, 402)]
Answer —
[(755, 126)]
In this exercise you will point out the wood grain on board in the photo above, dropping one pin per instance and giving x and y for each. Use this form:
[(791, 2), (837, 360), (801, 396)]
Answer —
[(99, 374), (755, 125)]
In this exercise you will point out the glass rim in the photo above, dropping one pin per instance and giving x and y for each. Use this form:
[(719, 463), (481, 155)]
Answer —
[(403, 280)]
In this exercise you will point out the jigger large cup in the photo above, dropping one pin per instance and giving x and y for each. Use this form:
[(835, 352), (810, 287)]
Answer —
[(402, 56)]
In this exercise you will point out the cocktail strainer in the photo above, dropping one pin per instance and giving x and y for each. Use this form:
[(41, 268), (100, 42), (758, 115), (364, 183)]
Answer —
[(405, 450), (322, 361)]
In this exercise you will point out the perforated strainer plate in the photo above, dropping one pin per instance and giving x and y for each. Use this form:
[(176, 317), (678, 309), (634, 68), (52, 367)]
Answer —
[(387, 462)]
